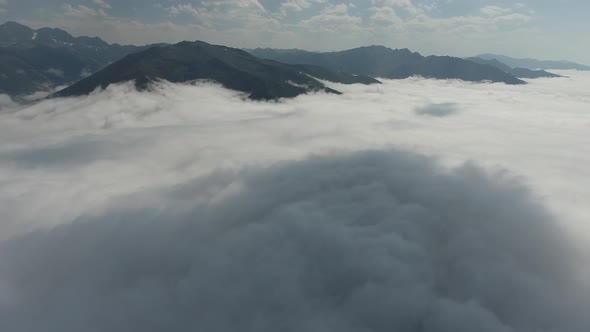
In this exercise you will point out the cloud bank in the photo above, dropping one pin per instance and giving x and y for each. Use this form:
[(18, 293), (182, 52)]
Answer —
[(189, 207), (375, 241)]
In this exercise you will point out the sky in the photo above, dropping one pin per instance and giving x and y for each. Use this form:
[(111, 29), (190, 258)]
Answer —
[(547, 29), (415, 205)]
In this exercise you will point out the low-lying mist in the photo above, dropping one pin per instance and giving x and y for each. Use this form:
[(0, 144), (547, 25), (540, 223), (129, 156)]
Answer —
[(415, 205)]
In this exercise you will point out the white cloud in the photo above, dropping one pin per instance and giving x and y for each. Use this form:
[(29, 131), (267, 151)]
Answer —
[(401, 3), (393, 104), (514, 19), (82, 12), (501, 16), (328, 26), (333, 19), (298, 5), (55, 72), (235, 3), (191, 196), (6, 102), (102, 4), (385, 16), (405, 4), (183, 9), (495, 11)]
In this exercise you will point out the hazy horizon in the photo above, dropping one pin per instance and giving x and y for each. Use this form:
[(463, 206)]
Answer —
[(546, 30)]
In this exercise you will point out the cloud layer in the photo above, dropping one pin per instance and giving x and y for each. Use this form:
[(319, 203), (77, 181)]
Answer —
[(191, 207), (375, 241)]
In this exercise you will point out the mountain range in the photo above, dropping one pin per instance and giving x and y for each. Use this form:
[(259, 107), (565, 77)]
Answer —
[(534, 63), (518, 72), (33, 60), (43, 59), (233, 68), (380, 61)]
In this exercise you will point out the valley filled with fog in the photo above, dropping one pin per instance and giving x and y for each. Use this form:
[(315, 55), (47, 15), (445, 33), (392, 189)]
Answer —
[(408, 201)]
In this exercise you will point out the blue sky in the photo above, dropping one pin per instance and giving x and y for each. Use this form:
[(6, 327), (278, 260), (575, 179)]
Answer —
[(544, 29)]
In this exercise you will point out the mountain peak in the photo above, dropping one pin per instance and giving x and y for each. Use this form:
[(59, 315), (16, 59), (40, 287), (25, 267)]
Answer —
[(518, 72), (382, 50), (11, 32), (529, 63), (381, 61), (376, 47), (92, 42), (54, 36), (233, 68), (13, 24), (34, 60)]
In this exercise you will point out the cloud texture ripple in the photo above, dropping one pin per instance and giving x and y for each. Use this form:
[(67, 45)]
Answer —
[(368, 241)]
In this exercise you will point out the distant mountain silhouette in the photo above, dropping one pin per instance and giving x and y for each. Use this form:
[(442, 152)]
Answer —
[(518, 72), (233, 68), (33, 60), (534, 63), (380, 61), (335, 76), (12, 32)]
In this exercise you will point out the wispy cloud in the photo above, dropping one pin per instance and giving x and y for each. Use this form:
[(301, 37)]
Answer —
[(102, 4)]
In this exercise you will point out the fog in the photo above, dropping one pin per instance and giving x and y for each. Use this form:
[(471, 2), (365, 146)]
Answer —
[(415, 205)]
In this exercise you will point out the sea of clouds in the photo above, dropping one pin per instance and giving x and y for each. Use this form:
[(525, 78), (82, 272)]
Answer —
[(415, 205)]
